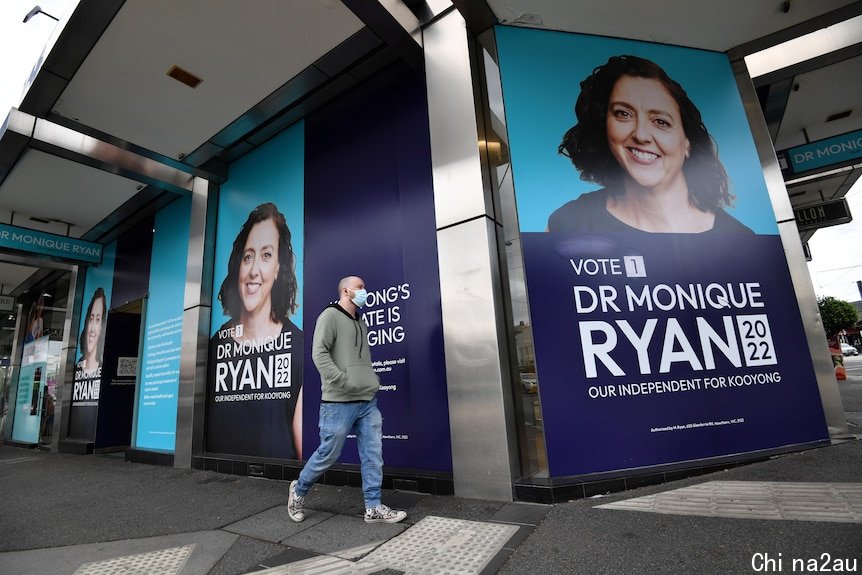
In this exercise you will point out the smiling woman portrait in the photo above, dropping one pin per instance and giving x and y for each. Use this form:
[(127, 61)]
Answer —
[(642, 138), (92, 341), (259, 349), (259, 292)]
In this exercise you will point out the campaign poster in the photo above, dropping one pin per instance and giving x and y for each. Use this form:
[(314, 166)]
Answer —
[(156, 410), (91, 345), (665, 323), (32, 387), (370, 213), (255, 379)]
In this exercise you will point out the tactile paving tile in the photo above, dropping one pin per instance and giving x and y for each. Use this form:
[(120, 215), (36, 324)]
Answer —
[(442, 545), (835, 502), (164, 562)]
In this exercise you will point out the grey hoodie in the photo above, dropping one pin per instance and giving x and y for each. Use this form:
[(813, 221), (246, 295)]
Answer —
[(341, 354)]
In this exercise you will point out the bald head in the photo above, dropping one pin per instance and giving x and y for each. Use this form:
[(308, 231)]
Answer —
[(349, 282), (347, 290)]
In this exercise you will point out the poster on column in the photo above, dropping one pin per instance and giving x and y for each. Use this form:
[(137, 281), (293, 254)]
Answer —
[(254, 385), (160, 372), (664, 319), (32, 380), (91, 344), (369, 212)]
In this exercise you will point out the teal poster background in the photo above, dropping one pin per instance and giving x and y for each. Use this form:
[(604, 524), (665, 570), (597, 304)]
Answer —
[(253, 182), (31, 387), (101, 276), (26, 426), (156, 409), (540, 102)]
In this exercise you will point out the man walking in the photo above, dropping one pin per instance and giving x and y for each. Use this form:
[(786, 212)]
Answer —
[(341, 354)]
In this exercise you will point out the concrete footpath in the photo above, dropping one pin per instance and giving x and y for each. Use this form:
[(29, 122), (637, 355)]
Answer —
[(76, 514), (796, 513)]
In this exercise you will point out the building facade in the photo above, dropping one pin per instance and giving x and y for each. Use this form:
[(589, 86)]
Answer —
[(583, 267)]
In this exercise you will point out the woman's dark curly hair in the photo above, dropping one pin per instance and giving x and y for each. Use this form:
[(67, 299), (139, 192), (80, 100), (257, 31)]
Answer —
[(100, 344), (284, 288), (586, 143)]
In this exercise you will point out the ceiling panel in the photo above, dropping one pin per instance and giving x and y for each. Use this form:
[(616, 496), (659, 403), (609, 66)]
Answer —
[(817, 95), (243, 51), (53, 188), (13, 275), (821, 190), (708, 25)]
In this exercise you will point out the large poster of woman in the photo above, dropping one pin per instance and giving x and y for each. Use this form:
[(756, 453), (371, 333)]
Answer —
[(87, 384), (254, 396), (92, 339), (662, 311)]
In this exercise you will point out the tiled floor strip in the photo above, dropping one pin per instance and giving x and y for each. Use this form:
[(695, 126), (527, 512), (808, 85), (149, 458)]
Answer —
[(434, 545), (443, 545), (835, 502), (164, 562)]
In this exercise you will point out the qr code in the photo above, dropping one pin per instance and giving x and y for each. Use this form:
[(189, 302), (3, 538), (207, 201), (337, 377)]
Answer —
[(127, 366)]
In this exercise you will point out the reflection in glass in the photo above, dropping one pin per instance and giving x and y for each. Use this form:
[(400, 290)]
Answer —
[(528, 415), (39, 312)]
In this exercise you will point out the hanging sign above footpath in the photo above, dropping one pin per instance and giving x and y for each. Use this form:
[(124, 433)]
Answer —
[(7, 302), (827, 153), (42, 243), (823, 215)]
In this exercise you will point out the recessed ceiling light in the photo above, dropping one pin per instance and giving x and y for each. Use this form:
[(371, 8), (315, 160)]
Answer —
[(184, 76)]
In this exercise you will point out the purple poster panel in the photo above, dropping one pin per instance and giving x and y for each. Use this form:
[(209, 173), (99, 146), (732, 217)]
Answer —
[(370, 212), (663, 315)]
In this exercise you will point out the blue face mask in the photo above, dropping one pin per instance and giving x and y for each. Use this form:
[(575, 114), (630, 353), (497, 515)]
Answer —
[(360, 296)]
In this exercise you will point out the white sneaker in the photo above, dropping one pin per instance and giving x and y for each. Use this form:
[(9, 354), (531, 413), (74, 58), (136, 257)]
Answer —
[(295, 503), (382, 514)]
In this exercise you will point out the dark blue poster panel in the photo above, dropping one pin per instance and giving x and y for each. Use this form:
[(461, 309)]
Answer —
[(664, 319), (254, 385), (117, 391), (369, 212), (91, 344), (156, 410)]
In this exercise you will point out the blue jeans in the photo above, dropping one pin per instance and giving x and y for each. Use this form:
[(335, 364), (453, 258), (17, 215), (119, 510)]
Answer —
[(336, 421)]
